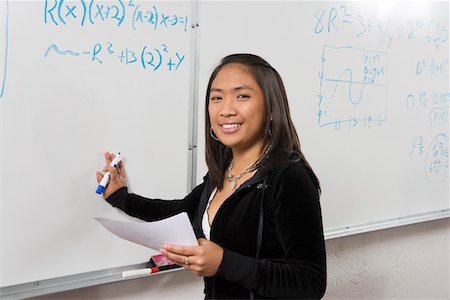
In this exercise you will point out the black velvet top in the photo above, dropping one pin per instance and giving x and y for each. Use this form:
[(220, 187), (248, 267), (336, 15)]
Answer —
[(291, 263)]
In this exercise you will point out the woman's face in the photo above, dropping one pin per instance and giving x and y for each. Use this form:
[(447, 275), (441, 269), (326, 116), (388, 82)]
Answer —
[(236, 108)]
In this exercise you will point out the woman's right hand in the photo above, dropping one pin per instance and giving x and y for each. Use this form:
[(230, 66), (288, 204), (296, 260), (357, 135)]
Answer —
[(117, 179)]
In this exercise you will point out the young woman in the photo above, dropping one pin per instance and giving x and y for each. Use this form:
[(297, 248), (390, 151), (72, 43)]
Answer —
[(257, 214)]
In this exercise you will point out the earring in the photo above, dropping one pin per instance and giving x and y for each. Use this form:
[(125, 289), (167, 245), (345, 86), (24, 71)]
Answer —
[(211, 133)]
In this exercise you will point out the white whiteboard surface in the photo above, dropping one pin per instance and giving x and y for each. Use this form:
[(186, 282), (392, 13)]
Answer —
[(109, 75), (368, 85), (61, 111)]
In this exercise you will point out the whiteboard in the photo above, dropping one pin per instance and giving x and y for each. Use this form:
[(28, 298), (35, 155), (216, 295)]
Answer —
[(83, 77), (380, 151), (368, 85)]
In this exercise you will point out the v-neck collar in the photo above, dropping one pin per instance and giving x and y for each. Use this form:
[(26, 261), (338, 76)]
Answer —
[(249, 182)]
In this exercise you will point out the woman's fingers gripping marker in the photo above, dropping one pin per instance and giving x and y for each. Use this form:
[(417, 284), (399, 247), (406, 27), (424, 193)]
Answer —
[(104, 182)]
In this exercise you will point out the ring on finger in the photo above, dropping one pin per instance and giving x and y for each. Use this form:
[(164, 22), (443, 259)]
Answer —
[(186, 261)]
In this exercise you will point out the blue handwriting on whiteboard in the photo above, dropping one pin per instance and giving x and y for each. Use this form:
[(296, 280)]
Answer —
[(4, 46), (55, 48), (147, 57), (345, 19), (118, 12), (436, 162), (436, 104), (432, 66), (417, 145), (352, 88)]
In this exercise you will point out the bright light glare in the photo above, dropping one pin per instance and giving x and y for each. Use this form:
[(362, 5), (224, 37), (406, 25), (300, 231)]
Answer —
[(417, 8), (386, 8), (411, 8)]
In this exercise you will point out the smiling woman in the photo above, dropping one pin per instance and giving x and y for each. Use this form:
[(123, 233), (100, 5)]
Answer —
[(237, 110), (257, 214)]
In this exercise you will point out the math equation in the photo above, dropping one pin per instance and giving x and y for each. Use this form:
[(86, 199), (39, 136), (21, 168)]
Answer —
[(139, 33), (433, 104), (433, 151), (346, 19), (147, 57), (118, 13), (436, 162), (352, 88)]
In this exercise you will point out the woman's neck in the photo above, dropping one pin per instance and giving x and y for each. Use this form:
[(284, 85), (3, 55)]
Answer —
[(244, 159)]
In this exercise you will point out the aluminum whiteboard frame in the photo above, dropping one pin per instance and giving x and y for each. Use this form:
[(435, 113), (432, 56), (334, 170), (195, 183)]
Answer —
[(193, 105), (343, 231), (77, 281), (72, 282)]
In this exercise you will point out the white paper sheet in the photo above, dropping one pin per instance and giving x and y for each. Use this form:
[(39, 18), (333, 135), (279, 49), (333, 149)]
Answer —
[(175, 230)]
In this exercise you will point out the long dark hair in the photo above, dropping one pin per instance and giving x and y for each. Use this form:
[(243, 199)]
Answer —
[(280, 132)]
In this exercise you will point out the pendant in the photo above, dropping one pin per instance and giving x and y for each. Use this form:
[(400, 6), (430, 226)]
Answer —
[(230, 178), (233, 184)]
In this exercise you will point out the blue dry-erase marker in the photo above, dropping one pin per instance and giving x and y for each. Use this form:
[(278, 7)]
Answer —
[(104, 182)]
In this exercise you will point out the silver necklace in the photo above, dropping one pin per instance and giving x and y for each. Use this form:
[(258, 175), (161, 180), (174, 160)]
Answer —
[(233, 179)]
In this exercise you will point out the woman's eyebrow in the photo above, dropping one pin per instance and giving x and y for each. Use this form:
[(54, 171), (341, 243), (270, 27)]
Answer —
[(242, 87), (237, 88)]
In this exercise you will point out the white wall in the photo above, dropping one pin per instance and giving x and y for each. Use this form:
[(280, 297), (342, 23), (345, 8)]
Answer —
[(409, 262)]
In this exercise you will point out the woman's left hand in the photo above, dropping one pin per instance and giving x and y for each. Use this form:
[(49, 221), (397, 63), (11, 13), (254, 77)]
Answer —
[(203, 260)]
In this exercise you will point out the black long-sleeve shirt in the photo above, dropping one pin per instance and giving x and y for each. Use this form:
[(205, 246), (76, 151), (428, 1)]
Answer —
[(291, 263)]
